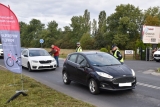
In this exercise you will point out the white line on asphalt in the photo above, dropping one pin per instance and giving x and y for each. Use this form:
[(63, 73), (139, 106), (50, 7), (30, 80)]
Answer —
[(147, 85)]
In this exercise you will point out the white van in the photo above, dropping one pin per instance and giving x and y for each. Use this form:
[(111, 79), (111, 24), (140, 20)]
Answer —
[(1, 50)]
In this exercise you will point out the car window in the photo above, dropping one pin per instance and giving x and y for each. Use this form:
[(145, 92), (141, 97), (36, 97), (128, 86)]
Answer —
[(25, 52), (33, 53), (72, 57), (158, 49), (81, 60), (102, 59)]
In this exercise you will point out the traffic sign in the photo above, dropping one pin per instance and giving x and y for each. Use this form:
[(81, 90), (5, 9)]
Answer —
[(41, 41)]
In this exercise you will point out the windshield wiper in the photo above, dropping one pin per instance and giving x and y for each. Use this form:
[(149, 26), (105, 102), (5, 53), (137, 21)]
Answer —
[(115, 64)]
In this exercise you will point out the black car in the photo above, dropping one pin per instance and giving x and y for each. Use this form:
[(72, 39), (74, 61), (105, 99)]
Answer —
[(98, 70)]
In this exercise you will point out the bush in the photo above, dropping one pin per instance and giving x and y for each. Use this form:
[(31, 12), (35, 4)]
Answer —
[(103, 50)]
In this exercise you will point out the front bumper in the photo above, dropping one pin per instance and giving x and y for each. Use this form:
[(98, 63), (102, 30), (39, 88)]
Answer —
[(39, 66), (1, 54), (116, 83), (157, 56)]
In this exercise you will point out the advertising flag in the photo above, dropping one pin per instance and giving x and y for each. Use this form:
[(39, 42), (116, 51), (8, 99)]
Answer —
[(10, 38)]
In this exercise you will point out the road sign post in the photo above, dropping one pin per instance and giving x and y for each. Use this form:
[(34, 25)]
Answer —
[(41, 41)]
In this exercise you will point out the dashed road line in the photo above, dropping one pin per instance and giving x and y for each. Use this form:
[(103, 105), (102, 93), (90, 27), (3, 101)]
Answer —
[(147, 85)]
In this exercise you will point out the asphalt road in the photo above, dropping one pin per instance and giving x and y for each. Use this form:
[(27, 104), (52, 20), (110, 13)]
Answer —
[(146, 94)]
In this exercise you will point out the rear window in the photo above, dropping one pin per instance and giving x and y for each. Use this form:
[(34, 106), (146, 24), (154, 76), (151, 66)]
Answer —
[(72, 57)]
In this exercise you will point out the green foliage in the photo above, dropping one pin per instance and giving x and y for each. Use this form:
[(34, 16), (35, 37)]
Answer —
[(122, 28), (87, 41), (103, 50), (120, 39)]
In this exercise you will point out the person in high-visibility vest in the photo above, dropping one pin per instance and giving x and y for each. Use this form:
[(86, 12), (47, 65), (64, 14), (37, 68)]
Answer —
[(117, 53), (79, 48)]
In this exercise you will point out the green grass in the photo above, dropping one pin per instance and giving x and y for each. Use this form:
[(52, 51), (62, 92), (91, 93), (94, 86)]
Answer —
[(39, 95), (158, 70)]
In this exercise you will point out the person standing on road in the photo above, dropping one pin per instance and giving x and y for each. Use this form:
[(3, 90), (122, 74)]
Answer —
[(117, 53), (55, 51), (79, 48)]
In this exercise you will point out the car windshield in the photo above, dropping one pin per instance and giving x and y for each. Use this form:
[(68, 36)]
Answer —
[(158, 49), (33, 53), (102, 59), (22, 49)]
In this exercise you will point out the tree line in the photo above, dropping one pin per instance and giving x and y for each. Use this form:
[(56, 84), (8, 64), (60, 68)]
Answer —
[(123, 28)]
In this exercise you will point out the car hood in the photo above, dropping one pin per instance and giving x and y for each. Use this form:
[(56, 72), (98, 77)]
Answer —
[(38, 58), (115, 70), (157, 52)]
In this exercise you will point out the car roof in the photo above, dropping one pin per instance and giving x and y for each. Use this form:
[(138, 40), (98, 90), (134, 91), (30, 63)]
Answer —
[(35, 48), (89, 52)]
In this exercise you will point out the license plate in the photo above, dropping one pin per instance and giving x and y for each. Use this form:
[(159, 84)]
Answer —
[(124, 84), (45, 65)]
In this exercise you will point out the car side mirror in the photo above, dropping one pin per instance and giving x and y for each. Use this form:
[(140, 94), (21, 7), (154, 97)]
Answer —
[(82, 66), (25, 55)]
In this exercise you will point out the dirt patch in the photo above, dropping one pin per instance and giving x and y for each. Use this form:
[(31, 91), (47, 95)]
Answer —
[(2, 68)]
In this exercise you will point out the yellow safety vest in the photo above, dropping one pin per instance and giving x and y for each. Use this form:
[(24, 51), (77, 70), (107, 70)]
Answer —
[(115, 55), (79, 49)]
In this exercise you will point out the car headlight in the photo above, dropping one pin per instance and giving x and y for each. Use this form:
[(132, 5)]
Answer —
[(34, 61), (102, 74), (133, 73), (52, 60)]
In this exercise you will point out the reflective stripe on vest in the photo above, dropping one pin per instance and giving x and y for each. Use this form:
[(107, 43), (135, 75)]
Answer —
[(79, 49), (115, 55)]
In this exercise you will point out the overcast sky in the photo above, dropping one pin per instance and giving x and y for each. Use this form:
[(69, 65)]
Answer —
[(62, 11)]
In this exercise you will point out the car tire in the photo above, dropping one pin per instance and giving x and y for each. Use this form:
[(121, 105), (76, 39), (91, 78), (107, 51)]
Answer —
[(29, 68), (66, 79), (93, 87), (157, 60), (53, 69)]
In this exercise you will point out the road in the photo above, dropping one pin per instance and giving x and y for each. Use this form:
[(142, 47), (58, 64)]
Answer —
[(146, 94)]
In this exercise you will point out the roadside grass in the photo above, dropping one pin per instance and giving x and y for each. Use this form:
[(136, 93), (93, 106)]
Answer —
[(158, 70), (38, 95)]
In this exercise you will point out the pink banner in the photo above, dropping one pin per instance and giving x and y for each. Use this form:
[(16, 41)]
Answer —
[(10, 38)]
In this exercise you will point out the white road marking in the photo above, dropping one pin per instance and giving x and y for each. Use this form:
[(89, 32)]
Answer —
[(147, 85)]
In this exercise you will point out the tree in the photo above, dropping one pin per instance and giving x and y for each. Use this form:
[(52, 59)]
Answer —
[(152, 16), (87, 41), (94, 28), (34, 30), (102, 28), (125, 21)]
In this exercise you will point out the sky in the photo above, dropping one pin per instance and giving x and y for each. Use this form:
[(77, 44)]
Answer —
[(62, 11)]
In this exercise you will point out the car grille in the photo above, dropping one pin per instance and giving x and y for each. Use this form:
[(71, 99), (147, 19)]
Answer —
[(45, 62), (156, 55), (40, 67), (123, 80)]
